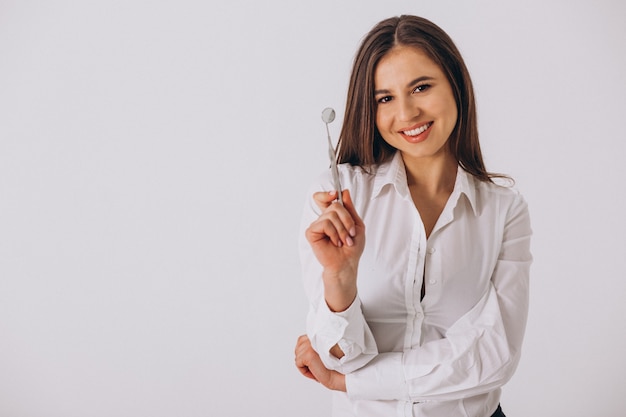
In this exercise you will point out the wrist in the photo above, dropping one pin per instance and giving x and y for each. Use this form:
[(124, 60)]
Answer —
[(345, 275), (339, 289), (339, 300)]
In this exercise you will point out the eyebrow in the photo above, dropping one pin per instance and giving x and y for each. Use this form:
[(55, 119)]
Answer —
[(409, 85)]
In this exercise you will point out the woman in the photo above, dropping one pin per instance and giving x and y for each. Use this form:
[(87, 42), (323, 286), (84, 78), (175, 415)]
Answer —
[(418, 283)]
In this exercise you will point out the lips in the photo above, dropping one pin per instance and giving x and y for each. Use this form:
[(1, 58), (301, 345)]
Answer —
[(417, 133), (417, 130)]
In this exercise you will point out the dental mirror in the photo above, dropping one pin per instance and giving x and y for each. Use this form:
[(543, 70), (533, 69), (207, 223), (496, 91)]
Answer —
[(328, 115)]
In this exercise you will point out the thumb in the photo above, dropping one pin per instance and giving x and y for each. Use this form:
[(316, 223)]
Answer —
[(323, 199)]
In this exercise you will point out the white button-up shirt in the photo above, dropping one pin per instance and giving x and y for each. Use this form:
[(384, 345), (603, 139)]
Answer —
[(448, 354)]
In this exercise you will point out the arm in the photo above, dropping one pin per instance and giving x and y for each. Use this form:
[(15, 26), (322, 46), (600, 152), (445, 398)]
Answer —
[(332, 240), (479, 352)]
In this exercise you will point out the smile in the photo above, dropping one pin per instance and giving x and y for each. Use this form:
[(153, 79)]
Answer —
[(417, 130)]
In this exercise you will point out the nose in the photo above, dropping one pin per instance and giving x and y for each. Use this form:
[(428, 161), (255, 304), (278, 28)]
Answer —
[(409, 109)]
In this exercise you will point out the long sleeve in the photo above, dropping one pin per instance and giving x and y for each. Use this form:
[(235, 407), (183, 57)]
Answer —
[(480, 351), (325, 328)]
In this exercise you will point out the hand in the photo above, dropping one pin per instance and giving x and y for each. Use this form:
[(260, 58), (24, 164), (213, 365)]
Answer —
[(311, 366), (337, 238)]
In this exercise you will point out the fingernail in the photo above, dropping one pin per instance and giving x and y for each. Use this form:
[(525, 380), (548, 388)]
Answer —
[(353, 231), (349, 241)]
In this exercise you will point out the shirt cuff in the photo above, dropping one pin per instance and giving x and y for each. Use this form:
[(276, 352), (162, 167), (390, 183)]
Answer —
[(348, 329), (382, 379)]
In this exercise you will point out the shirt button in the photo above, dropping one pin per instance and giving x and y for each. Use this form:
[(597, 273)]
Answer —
[(431, 250), (432, 281)]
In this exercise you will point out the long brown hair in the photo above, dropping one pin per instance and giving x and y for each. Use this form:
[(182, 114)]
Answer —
[(360, 142)]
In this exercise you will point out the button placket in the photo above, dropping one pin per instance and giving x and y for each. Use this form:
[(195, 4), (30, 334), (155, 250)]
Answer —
[(434, 270)]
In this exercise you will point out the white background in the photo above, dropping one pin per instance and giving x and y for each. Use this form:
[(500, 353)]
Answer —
[(154, 157)]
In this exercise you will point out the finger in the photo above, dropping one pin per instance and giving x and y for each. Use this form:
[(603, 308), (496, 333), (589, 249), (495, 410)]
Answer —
[(303, 345), (332, 226), (321, 230), (304, 351), (349, 206), (304, 370), (328, 200), (343, 222), (302, 365), (323, 199), (302, 341), (348, 224), (326, 227), (310, 365), (303, 357)]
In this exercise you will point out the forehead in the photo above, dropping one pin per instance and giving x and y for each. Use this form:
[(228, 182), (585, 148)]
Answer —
[(403, 62)]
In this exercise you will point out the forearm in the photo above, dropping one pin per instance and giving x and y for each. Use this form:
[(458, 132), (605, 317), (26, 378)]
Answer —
[(339, 293), (478, 350), (339, 289)]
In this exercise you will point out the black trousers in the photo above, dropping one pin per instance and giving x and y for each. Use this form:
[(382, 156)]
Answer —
[(498, 412)]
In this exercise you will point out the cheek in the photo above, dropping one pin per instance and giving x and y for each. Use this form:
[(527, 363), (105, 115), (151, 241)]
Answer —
[(454, 114), (450, 106), (378, 121), (383, 124), (382, 118), (447, 109)]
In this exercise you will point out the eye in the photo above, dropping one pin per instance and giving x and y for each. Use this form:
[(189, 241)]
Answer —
[(385, 99), (421, 88)]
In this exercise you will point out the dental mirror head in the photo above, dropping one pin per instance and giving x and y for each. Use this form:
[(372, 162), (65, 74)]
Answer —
[(328, 115)]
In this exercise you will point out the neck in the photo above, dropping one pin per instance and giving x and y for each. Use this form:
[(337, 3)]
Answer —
[(431, 175)]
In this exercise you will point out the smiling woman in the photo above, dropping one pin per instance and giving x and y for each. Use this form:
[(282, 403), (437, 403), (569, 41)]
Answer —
[(155, 155), (418, 283), (361, 141), (413, 109)]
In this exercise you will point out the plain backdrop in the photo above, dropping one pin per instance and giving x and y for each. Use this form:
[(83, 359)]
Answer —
[(154, 157)]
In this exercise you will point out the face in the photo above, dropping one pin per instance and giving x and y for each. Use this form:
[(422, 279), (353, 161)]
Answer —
[(416, 111)]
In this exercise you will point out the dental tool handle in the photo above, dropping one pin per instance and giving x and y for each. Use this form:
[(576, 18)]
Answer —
[(333, 166)]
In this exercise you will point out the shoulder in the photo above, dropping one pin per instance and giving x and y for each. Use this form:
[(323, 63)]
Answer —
[(500, 195), (499, 188)]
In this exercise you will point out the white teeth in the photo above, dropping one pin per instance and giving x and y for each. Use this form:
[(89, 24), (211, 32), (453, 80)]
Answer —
[(417, 131)]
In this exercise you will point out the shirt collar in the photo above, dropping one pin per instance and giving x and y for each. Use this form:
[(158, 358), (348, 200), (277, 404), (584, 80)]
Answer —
[(466, 184), (394, 173), (391, 172)]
